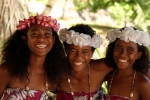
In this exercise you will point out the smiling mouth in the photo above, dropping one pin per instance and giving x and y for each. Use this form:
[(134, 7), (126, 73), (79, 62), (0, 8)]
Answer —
[(41, 46), (78, 63), (121, 60)]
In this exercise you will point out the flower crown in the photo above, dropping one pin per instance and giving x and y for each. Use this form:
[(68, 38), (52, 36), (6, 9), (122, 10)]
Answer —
[(129, 34), (42, 20), (72, 37)]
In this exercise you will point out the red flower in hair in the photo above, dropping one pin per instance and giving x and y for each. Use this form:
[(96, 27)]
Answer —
[(42, 20), (23, 24)]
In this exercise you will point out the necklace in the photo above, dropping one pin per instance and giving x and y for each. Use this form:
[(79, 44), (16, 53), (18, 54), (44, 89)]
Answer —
[(131, 94), (69, 82), (46, 87)]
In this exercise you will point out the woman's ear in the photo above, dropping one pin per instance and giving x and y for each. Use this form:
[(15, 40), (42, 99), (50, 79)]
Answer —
[(139, 55), (24, 39)]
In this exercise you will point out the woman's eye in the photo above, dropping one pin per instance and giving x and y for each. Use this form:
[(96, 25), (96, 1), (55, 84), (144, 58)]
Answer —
[(35, 34), (117, 48), (85, 52), (72, 51), (48, 34), (130, 50)]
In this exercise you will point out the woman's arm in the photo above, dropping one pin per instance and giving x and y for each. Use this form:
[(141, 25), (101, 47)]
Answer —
[(147, 74), (143, 89), (4, 78), (100, 65)]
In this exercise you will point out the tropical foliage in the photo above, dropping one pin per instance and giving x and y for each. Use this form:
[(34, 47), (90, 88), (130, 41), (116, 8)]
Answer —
[(135, 12)]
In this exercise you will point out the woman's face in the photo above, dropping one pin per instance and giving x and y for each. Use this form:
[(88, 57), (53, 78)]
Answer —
[(125, 54), (79, 57), (40, 40)]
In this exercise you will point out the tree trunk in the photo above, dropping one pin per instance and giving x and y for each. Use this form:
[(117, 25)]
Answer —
[(49, 7), (11, 11)]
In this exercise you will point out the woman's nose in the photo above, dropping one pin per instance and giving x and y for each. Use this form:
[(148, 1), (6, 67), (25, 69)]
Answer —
[(78, 55), (123, 53), (41, 37)]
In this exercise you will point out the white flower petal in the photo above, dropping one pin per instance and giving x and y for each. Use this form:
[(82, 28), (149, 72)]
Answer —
[(129, 35), (79, 39)]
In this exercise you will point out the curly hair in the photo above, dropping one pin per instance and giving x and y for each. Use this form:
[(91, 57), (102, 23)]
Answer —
[(16, 54), (142, 64), (82, 28)]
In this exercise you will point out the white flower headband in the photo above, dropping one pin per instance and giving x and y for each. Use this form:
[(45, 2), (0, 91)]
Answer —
[(72, 37), (129, 34)]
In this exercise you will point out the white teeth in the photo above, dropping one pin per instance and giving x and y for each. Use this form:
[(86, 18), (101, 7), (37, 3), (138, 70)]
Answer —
[(122, 60), (41, 46), (78, 63)]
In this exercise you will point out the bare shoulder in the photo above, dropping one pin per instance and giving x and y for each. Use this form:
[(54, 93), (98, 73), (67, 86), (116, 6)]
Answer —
[(100, 65), (4, 74), (143, 86), (4, 70), (5, 77), (147, 74), (62, 84), (63, 79), (142, 79)]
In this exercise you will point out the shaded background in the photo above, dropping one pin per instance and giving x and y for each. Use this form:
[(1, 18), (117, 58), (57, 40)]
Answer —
[(101, 15)]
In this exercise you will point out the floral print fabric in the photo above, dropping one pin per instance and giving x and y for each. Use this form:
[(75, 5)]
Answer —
[(116, 97), (62, 95), (22, 94)]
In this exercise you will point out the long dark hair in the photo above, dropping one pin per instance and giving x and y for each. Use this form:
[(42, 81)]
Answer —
[(141, 65), (80, 28), (16, 55)]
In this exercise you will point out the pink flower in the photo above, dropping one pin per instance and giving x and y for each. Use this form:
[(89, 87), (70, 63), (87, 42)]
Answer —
[(23, 24), (42, 20), (32, 19)]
